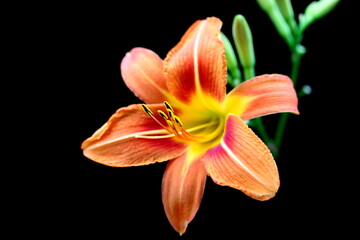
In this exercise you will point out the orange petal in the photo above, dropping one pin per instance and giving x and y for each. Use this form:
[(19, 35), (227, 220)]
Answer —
[(197, 63), (182, 190), (142, 71), (243, 161), (118, 142), (263, 95)]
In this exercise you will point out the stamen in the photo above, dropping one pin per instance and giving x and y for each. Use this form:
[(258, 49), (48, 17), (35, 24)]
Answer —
[(181, 132), (151, 114), (178, 121), (162, 114), (168, 106), (147, 110), (188, 136), (175, 126), (171, 114), (172, 127)]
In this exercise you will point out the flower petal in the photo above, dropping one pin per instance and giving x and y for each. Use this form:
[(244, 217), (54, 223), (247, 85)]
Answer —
[(243, 161), (263, 95), (197, 63), (182, 190), (142, 71), (122, 141)]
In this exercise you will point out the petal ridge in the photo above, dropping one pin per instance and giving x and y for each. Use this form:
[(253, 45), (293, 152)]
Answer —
[(182, 190), (142, 72), (113, 144), (242, 161), (263, 95), (198, 63)]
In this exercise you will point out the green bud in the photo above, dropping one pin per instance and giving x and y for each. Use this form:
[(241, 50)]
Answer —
[(244, 45), (266, 5), (287, 11), (232, 63), (272, 9), (315, 11)]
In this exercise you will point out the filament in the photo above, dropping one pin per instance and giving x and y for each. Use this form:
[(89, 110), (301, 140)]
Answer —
[(175, 127)]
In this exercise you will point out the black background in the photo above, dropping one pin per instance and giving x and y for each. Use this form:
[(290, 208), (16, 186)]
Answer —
[(313, 200)]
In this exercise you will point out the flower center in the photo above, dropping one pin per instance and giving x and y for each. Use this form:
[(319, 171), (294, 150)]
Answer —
[(175, 127)]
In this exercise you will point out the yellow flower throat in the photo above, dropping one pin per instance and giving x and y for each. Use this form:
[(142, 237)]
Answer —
[(203, 128)]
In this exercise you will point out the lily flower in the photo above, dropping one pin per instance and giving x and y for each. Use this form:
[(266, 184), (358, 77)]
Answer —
[(189, 119)]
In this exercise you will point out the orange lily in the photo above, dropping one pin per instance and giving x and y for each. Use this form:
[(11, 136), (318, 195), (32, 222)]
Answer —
[(190, 121)]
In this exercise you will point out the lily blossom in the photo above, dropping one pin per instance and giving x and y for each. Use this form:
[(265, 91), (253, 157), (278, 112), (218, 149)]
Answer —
[(189, 119)]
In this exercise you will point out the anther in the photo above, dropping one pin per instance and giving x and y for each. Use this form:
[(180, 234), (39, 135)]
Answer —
[(171, 114), (147, 110), (178, 121), (151, 114), (162, 114), (168, 106), (174, 125)]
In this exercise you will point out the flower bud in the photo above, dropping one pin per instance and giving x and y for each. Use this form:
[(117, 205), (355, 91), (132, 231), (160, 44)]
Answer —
[(315, 11), (287, 11), (272, 9), (267, 5), (244, 43), (232, 63)]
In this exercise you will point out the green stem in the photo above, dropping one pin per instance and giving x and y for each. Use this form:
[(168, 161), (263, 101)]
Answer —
[(295, 60), (262, 131), (249, 72), (296, 56)]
